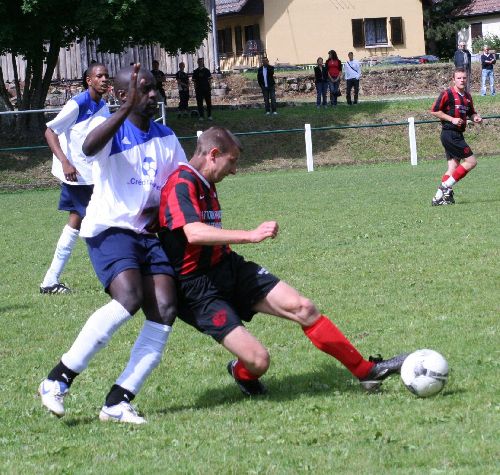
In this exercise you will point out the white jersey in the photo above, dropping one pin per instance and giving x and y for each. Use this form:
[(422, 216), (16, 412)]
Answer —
[(352, 69), (72, 126), (129, 173)]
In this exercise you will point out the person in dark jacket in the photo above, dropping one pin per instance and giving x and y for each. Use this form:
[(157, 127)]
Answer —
[(487, 61), (321, 81), (265, 78), (462, 59), (203, 89)]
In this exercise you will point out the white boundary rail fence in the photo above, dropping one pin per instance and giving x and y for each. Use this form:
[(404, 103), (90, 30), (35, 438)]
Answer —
[(307, 130)]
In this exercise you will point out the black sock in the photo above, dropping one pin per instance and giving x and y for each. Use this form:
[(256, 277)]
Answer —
[(117, 394), (62, 373)]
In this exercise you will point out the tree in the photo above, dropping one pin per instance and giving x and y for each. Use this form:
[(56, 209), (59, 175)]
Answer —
[(37, 29), (440, 26)]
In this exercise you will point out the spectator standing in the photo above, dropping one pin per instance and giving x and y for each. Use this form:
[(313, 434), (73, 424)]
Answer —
[(183, 86), (352, 73), (265, 78), (462, 59), (203, 89), (334, 68), (65, 135), (487, 61), (321, 82), (159, 78)]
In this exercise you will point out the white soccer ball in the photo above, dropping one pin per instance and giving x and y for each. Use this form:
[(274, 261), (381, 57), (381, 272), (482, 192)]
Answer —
[(424, 372)]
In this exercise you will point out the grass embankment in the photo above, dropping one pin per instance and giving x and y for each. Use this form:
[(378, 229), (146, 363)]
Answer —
[(287, 150)]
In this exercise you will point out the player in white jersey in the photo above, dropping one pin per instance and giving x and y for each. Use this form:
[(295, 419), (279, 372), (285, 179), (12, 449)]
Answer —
[(65, 135), (132, 158)]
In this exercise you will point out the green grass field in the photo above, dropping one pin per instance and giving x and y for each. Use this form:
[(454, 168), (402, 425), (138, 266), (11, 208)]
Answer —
[(364, 243)]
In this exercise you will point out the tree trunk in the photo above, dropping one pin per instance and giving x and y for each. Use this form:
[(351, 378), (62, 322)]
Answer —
[(16, 79)]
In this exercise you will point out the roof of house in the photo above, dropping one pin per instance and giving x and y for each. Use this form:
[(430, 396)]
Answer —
[(478, 7), (231, 7)]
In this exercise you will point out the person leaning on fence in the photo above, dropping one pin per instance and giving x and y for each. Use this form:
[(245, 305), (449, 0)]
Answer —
[(321, 82), (463, 59), (203, 89), (487, 61), (132, 157), (352, 72), (265, 78), (183, 87), (453, 107), (334, 68), (65, 135), (218, 289)]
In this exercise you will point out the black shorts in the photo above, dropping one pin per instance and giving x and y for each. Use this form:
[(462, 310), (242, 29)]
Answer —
[(215, 303), (455, 145)]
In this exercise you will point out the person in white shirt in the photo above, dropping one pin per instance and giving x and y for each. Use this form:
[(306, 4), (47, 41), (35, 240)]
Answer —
[(65, 135), (132, 158), (352, 72)]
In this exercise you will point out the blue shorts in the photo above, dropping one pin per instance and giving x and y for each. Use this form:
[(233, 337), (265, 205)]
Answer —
[(75, 198), (116, 250)]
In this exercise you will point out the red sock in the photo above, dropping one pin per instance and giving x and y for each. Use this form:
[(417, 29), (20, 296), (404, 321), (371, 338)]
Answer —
[(444, 178), (240, 372), (328, 338), (459, 173)]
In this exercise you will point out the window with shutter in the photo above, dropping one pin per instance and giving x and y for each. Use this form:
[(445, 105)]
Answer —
[(397, 31), (358, 36), (476, 30)]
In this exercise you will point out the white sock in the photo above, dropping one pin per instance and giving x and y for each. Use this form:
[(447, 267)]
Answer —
[(64, 247), (449, 182), (145, 355), (95, 335)]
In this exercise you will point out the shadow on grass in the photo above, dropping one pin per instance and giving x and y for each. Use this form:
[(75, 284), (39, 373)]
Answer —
[(327, 379)]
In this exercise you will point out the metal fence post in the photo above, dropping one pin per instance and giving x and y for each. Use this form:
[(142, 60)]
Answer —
[(413, 141), (309, 150)]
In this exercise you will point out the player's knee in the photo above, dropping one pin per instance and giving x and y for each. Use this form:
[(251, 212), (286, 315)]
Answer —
[(472, 161), (306, 312), (260, 361), (130, 298), (167, 311)]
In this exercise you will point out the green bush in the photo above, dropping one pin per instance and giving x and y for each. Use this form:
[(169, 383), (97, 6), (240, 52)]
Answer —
[(493, 41)]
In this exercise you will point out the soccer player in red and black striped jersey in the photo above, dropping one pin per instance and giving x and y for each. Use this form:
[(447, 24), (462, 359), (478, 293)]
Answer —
[(453, 107), (218, 289)]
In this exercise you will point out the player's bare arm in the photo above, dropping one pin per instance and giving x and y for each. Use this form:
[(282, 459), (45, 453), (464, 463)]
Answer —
[(100, 136), (204, 234), (442, 116), (70, 172)]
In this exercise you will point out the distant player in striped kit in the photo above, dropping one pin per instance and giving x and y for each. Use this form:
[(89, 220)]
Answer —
[(65, 135), (218, 289), (453, 107)]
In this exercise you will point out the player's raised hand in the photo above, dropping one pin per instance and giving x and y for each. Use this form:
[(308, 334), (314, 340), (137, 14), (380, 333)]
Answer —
[(266, 230), (134, 84)]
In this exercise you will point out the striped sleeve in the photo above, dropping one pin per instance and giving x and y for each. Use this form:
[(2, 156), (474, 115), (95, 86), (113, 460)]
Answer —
[(440, 102), (179, 204)]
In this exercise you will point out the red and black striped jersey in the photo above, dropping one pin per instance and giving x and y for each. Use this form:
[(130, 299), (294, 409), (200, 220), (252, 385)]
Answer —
[(188, 198), (454, 104)]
